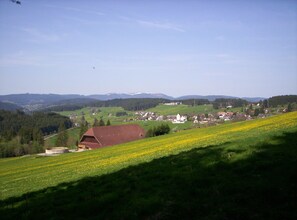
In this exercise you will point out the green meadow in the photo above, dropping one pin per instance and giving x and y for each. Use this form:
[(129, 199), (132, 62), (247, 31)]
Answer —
[(109, 113), (73, 137), (244, 170), (102, 112), (181, 109)]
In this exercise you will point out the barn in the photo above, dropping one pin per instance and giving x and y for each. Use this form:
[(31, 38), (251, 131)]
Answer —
[(103, 136)]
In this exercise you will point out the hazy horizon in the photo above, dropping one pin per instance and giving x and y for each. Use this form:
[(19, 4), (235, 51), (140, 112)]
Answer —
[(177, 48), (138, 93)]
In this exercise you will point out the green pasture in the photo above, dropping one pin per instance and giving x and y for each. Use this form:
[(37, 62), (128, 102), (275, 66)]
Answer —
[(109, 113), (106, 113), (244, 170), (27, 174), (173, 127), (181, 109), (73, 136)]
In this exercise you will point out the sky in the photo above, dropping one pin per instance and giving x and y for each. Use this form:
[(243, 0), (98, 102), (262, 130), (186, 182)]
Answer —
[(190, 47)]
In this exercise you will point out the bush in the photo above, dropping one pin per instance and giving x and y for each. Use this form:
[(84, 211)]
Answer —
[(119, 114), (159, 130)]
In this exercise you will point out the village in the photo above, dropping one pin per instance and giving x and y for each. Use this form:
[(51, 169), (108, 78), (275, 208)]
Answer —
[(207, 118), (201, 118)]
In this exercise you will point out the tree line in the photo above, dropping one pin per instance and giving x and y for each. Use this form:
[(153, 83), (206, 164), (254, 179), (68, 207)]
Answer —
[(22, 133), (132, 104), (223, 103), (281, 100), (158, 130), (127, 104)]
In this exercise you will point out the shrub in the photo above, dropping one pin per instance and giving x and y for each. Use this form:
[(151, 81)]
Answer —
[(159, 130)]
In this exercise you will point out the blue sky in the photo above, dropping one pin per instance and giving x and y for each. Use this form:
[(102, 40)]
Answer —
[(240, 48)]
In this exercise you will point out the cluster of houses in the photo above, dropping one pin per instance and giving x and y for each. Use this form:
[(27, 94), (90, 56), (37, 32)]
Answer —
[(201, 119), (152, 116), (172, 103), (196, 119)]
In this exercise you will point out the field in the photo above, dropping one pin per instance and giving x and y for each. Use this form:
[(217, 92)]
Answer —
[(73, 136), (244, 170), (109, 113), (181, 109), (103, 112)]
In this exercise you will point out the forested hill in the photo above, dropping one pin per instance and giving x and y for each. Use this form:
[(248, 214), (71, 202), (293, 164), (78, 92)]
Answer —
[(134, 104), (282, 100), (131, 104), (45, 100), (19, 123), (30, 99), (54, 102), (22, 133)]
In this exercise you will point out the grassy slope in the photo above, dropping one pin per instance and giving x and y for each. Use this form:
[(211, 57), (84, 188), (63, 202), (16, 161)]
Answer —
[(160, 110), (73, 136), (181, 109), (104, 113), (245, 170), (22, 175)]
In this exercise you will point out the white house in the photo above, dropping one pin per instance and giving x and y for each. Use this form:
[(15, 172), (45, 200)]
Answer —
[(179, 119)]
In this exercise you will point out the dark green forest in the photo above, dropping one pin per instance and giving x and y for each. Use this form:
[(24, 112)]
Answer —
[(131, 104), (282, 100), (22, 133)]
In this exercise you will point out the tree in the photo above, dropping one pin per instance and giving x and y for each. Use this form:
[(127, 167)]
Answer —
[(83, 128), (290, 108), (82, 120), (159, 130), (150, 132), (265, 103), (101, 122), (96, 123), (257, 112), (162, 129), (62, 137), (108, 123), (26, 135), (37, 136)]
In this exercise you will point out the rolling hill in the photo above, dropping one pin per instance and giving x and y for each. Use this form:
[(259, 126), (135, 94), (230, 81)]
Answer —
[(222, 171), (45, 100)]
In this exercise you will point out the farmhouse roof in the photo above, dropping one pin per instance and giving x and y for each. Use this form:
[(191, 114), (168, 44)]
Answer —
[(111, 135)]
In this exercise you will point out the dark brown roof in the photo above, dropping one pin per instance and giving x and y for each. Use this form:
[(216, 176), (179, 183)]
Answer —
[(110, 135)]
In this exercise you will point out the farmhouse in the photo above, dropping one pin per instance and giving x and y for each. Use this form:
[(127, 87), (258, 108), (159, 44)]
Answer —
[(103, 136), (179, 119)]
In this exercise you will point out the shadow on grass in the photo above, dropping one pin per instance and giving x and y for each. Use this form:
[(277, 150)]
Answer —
[(218, 182)]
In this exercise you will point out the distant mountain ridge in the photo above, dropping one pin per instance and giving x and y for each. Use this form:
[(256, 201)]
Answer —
[(111, 96), (31, 99), (208, 97), (43, 100)]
